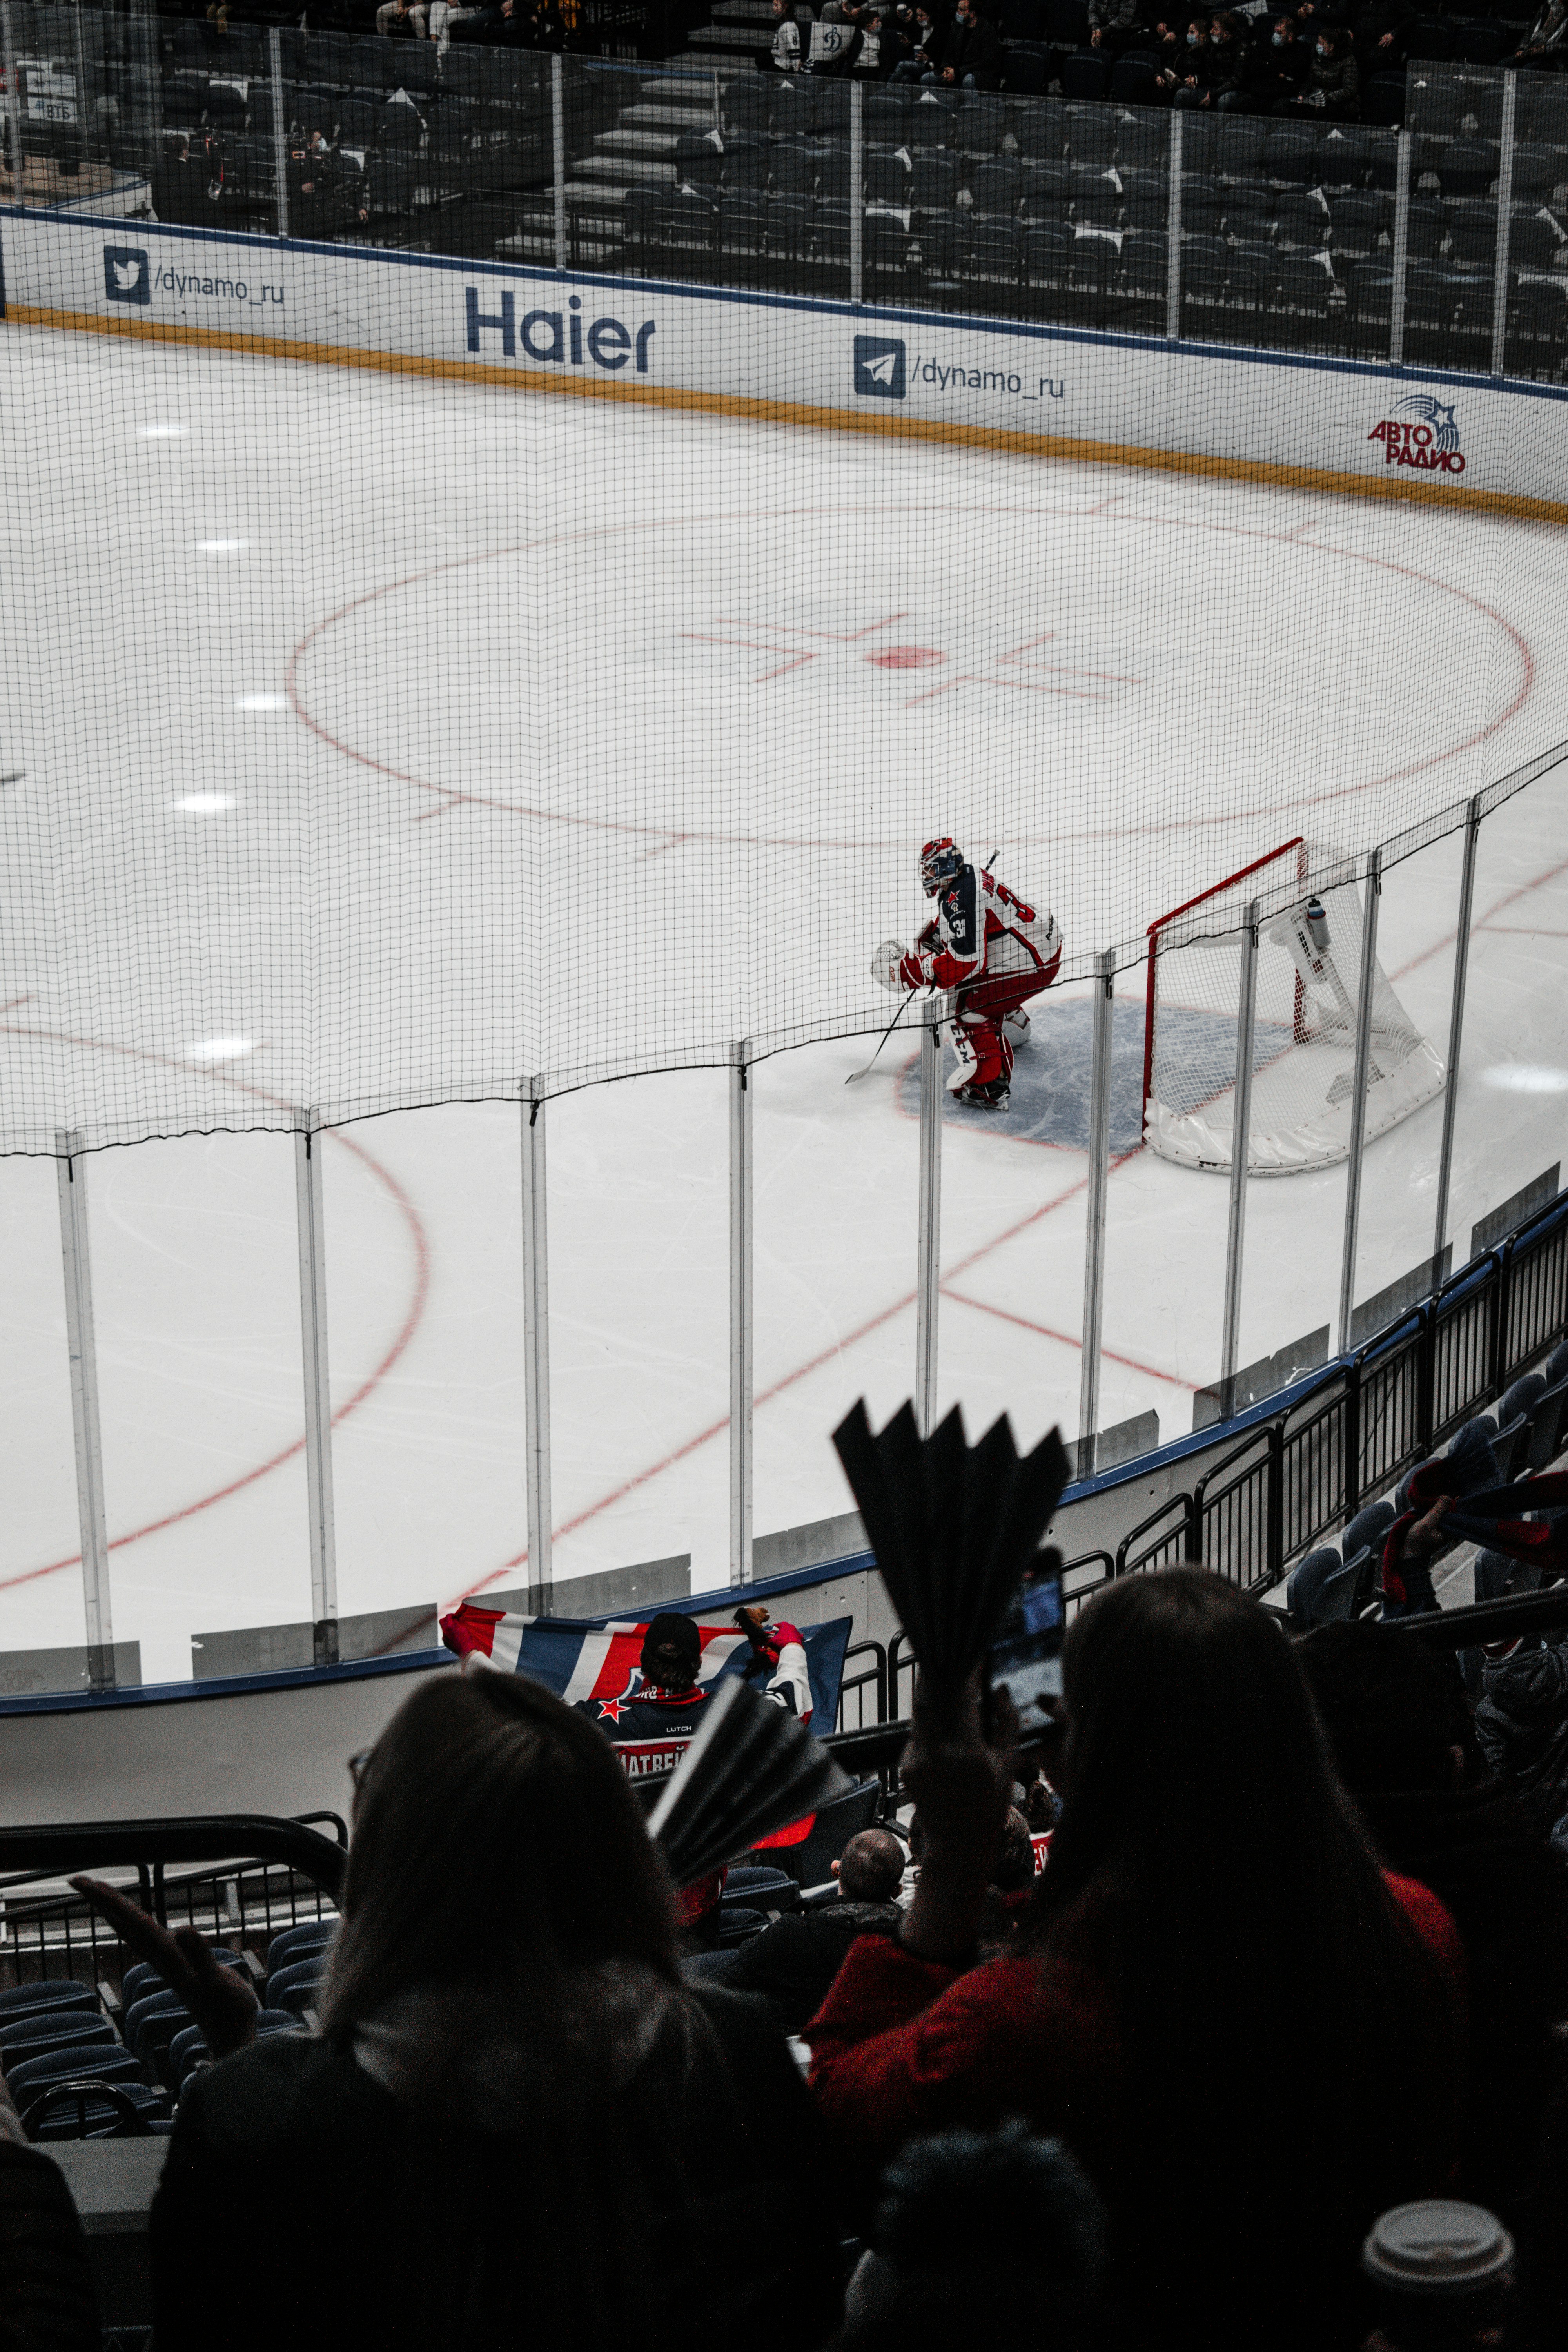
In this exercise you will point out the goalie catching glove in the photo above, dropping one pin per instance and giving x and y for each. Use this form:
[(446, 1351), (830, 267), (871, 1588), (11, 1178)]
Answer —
[(896, 967)]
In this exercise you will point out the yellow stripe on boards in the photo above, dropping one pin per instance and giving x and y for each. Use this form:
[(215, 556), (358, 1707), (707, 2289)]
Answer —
[(794, 412)]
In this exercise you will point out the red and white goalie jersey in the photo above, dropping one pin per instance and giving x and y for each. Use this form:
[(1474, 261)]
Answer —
[(983, 930)]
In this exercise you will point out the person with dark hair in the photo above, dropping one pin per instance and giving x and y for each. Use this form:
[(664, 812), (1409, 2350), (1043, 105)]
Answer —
[(1394, 1714), (49, 2303), (928, 37), (515, 2124), (1333, 78), (1217, 80), (784, 55), (974, 56), (1248, 2035), (1545, 48), (1116, 24), (792, 1962), (980, 2237), (1276, 66), (1383, 30), (1181, 47), (1521, 1724)]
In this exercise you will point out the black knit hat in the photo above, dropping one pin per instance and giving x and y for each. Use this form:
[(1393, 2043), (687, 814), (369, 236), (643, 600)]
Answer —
[(670, 1631)]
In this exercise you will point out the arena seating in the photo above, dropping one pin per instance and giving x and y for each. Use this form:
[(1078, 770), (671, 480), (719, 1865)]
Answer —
[(1529, 1431)]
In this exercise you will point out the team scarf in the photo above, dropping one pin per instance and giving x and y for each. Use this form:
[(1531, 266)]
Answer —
[(1494, 1520)]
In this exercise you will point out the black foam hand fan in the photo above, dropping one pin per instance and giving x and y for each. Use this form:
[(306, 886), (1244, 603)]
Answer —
[(752, 1769), (954, 1527)]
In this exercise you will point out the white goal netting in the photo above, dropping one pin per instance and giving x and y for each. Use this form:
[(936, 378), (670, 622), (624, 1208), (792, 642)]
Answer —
[(1309, 955)]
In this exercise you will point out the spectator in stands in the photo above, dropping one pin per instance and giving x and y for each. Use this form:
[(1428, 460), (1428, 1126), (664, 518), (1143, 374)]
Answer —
[(1035, 1797), (1333, 78), (516, 2125), (49, 2303), (1545, 47), (930, 36), (792, 1962), (974, 56), (901, 39), (1116, 24), (783, 54), (1276, 69), (1522, 1722), (981, 2238), (1181, 48), (1219, 74), (835, 40), (401, 18), (1384, 31), (1246, 2032), (1394, 1714)]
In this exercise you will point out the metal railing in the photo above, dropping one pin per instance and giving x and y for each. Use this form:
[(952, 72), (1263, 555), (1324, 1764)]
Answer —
[(264, 1875)]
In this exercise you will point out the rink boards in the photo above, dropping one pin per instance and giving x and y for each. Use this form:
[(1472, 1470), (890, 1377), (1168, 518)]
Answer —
[(1234, 415)]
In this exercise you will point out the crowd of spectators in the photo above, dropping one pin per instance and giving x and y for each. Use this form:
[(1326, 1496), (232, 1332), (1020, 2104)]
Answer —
[(1310, 57), (1124, 2045)]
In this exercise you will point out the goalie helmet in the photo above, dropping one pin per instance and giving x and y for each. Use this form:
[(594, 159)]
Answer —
[(939, 861)]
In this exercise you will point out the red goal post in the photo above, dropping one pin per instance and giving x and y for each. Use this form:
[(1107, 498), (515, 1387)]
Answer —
[(1165, 923)]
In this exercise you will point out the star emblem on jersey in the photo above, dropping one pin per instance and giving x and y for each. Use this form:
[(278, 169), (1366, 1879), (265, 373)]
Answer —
[(612, 1709), (1041, 665)]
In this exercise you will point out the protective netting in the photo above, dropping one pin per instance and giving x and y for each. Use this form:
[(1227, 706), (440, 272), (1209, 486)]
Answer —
[(375, 739), (1311, 945)]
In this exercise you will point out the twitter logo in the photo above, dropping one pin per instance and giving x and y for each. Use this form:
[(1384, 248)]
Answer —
[(880, 366), (126, 276)]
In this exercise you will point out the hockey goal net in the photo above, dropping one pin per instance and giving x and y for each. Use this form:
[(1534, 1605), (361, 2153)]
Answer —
[(1304, 1032)]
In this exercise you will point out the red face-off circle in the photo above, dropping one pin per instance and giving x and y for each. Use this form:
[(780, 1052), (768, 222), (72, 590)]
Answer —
[(905, 658)]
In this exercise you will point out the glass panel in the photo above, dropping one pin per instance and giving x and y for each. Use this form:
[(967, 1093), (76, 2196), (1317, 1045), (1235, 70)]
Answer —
[(638, 1227), (40, 1565), (1454, 117), (838, 1182), (197, 1296), (1513, 1068), (1537, 340)]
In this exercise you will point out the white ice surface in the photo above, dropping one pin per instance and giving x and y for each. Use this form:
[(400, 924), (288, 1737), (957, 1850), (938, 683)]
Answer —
[(1265, 648)]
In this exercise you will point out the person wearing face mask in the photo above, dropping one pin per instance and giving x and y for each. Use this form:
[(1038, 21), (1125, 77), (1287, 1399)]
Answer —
[(1218, 77), (1182, 49), (1333, 79), (1277, 68), (930, 33)]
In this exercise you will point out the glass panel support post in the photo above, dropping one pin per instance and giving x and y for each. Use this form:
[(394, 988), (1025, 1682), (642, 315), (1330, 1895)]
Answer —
[(536, 1350), (1401, 260), (740, 1322), (1358, 1096), (70, 1172), (311, 1227), (1240, 1130), (280, 130), (928, 1280), (558, 148), (1101, 1011), (1173, 230), (12, 107), (1504, 232), (1456, 1035), (856, 193)]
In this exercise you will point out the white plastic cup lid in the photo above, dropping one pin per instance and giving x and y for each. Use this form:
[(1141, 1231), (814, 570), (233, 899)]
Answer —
[(1438, 2247)]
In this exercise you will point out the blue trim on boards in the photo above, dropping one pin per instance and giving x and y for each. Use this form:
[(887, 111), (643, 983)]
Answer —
[(1243, 354)]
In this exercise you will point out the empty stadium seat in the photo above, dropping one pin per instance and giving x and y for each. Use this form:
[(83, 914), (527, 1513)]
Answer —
[(51, 2029), (47, 1992)]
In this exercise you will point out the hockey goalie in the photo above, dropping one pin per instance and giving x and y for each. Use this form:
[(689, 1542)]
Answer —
[(993, 951)]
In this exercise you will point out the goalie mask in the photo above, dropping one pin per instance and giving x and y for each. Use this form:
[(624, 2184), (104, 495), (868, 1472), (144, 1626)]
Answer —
[(939, 861)]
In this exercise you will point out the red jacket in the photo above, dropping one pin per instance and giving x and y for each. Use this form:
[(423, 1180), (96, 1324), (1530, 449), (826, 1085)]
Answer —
[(902, 2046)]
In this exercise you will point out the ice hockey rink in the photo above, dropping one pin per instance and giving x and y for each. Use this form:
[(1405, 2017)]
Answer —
[(247, 594)]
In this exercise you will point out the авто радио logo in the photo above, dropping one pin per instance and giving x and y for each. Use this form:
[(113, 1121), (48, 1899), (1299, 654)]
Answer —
[(1432, 443)]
